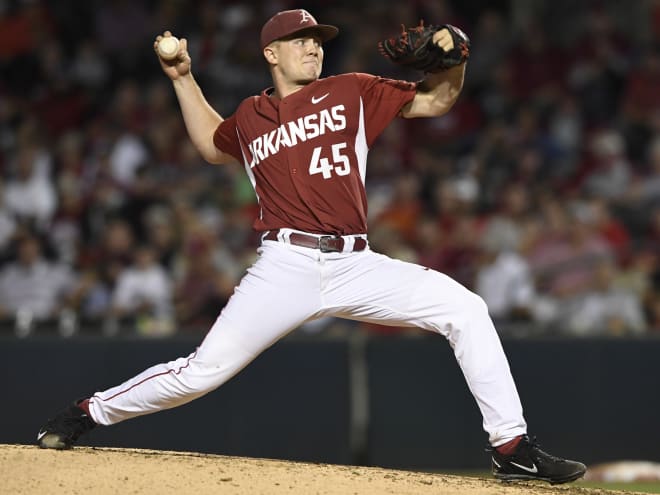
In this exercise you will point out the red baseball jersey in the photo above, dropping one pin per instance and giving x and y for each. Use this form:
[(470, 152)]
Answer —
[(306, 155)]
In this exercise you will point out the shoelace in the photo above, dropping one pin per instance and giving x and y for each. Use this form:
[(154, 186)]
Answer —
[(535, 445), (532, 444)]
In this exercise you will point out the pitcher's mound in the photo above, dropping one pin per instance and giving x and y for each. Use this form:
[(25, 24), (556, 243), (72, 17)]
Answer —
[(100, 471)]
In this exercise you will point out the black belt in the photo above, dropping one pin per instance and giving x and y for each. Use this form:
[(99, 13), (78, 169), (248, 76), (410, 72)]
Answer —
[(324, 243)]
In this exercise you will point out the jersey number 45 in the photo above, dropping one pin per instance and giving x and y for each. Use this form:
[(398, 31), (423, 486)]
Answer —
[(322, 165)]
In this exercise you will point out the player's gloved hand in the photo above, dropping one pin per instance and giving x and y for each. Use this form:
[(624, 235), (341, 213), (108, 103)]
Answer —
[(427, 48), (179, 66)]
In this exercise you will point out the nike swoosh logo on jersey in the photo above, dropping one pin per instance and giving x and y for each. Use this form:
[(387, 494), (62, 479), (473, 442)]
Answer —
[(315, 100), (532, 469)]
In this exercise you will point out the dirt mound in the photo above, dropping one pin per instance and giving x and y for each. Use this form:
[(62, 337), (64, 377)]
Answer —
[(30, 470)]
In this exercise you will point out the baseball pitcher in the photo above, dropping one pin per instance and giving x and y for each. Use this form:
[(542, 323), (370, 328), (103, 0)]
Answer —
[(304, 143)]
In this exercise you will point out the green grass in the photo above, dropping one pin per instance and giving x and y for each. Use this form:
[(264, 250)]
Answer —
[(635, 486)]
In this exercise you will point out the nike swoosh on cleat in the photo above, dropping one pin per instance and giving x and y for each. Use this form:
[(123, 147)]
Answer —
[(315, 100), (41, 434), (532, 469)]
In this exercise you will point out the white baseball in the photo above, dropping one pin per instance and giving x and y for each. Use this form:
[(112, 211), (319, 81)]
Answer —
[(168, 47)]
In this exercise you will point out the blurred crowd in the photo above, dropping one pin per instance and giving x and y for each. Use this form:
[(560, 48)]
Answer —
[(540, 190)]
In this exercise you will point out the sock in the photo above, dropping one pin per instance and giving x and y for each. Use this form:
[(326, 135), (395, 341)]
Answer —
[(84, 405), (509, 447)]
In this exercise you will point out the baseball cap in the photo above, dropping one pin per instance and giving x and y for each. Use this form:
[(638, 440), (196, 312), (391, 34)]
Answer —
[(289, 22)]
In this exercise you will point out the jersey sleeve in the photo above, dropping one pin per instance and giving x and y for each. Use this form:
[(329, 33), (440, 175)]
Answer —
[(225, 138), (383, 99)]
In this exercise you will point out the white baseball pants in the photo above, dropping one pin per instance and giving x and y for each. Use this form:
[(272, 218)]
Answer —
[(289, 285)]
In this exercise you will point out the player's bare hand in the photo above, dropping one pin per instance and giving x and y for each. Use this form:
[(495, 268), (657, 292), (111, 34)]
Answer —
[(180, 64), (444, 40)]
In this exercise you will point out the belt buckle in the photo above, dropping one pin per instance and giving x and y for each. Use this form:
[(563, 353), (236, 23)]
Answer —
[(324, 245)]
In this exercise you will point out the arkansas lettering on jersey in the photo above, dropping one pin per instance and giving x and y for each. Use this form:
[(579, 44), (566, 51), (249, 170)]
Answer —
[(293, 132), (306, 155)]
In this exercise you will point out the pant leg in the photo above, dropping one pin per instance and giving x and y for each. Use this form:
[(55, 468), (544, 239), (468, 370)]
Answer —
[(373, 287), (279, 292)]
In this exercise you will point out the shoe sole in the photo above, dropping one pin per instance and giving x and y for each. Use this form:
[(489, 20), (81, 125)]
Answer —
[(525, 477), (53, 441)]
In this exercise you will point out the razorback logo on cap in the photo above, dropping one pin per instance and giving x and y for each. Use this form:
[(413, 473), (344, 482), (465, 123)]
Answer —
[(306, 16)]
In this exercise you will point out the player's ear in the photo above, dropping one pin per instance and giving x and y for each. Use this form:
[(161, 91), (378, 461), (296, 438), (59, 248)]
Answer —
[(270, 53)]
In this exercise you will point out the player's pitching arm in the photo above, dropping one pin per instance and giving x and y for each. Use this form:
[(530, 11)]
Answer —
[(200, 118), (438, 91)]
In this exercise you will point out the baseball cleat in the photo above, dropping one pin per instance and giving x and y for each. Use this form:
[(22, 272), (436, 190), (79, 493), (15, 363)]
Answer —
[(529, 462), (64, 429)]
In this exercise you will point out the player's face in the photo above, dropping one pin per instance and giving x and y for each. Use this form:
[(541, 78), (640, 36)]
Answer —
[(300, 60)]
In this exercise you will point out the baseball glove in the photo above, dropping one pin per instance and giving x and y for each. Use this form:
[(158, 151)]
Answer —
[(414, 48)]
